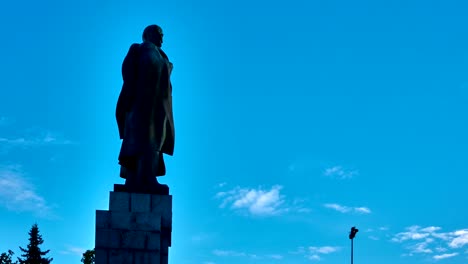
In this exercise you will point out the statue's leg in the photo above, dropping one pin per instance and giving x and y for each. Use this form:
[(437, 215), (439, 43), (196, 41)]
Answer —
[(148, 165), (132, 181)]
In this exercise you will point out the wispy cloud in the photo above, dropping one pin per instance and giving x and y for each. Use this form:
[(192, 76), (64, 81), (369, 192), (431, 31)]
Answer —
[(37, 139), (221, 184), (339, 208), (323, 250), (347, 209), (232, 253), (429, 240), (444, 256), (315, 253), (228, 253), (422, 247), (412, 233), (460, 238), (363, 210), (17, 194), (257, 201), (73, 250), (340, 173), (41, 140), (275, 256)]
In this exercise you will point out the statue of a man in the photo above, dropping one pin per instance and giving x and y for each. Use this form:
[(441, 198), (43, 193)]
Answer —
[(144, 114)]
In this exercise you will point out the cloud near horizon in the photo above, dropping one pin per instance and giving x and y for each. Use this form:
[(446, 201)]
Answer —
[(315, 253), (47, 138), (17, 194), (73, 250), (444, 256), (33, 137), (232, 253), (429, 240)]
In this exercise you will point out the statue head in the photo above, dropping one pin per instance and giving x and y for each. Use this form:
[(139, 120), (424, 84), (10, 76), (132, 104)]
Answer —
[(153, 34)]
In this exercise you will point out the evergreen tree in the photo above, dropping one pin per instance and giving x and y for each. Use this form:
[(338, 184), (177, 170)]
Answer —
[(33, 254), (5, 258), (88, 257)]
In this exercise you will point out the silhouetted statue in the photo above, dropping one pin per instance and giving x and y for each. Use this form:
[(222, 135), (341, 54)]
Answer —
[(144, 114)]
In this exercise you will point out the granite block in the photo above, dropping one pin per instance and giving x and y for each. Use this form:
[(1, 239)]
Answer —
[(163, 204), (164, 259), (107, 238), (140, 202), (147, 258), (122, 220), (147, 222), (135, 221), (102, 219), (133, 239), (165, 246), (119, 202), (100, 256), (153, 241), (120, 256)]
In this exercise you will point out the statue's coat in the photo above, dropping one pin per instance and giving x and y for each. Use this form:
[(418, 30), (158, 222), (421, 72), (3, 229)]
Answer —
[(144, 108)]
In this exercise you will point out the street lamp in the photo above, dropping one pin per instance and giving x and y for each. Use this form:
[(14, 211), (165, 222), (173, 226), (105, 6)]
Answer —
[(352, 234)]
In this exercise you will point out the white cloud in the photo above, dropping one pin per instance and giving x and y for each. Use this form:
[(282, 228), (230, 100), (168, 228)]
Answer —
[(430, 229), (275, 256), (315, 253), (300, 250), (422, 247), (323, 250), (413, 233), (40, 139), (232, 253), (17, 194), (258, 202), (337, 207), (442, 236), (339, 172), (228, 253), (363, 210), (444, 256), (440, 249), (347, 209), (373, 238), (420, 240), (460, 238), (73, 250)]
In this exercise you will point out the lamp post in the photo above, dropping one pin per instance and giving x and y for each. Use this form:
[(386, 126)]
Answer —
[(352, 234)]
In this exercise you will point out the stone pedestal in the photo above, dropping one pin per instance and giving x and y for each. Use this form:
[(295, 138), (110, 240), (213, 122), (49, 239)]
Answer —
[(136, 229)]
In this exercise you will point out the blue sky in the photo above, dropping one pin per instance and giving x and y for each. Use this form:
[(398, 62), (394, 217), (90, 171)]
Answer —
[(295, 120)]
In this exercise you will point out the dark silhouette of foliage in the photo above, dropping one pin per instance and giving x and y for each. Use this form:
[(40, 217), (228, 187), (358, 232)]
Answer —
[(33, 254), (88, 257), (5, 258)]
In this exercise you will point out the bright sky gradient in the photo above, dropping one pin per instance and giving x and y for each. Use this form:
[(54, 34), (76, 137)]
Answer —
[(295, 120)]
